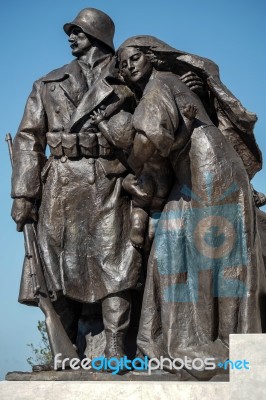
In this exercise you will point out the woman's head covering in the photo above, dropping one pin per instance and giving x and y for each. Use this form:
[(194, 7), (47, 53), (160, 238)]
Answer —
[(180, 61), (241, 120), (150, 42)]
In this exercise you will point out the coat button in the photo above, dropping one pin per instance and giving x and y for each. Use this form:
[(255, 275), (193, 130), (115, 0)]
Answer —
[(63, 159), (57, 110), (65, 181), (52, 88)]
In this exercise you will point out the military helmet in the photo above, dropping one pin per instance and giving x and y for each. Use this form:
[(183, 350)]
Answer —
[(94, 23)]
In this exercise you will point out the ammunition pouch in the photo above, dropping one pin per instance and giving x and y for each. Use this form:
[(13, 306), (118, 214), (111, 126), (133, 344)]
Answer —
[(81, 144)]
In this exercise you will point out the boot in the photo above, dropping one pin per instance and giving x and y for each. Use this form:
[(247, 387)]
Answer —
[(114, 345), (116, 318)]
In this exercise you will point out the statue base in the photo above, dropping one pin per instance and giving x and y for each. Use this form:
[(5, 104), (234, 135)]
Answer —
[(82, 375), (244, 383)]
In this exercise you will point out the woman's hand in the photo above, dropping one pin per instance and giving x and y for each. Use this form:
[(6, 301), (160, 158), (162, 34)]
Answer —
[(194, 82)]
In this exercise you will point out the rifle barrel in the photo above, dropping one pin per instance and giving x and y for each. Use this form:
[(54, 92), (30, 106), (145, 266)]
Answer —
[(10, 149)]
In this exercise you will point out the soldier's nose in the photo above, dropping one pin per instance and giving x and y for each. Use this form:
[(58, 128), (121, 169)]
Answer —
[(71, 38)]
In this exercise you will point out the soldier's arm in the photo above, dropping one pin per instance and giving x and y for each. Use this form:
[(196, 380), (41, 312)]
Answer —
[(28, 159), (29, 148)]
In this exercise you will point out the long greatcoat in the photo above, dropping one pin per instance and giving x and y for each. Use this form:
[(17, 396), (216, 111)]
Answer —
[(83, 226)]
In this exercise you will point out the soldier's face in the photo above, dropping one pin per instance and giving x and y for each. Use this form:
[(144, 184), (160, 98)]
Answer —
[(79, 42), (134, 65)]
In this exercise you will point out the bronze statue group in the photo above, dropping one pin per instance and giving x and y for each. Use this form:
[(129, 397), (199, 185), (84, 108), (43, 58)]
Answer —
[(147, 188)]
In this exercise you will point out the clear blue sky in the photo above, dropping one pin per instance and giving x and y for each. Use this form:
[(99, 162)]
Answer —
[(232, 33)]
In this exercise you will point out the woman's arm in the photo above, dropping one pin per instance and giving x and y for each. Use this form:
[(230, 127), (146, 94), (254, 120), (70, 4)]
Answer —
[(185, 129)]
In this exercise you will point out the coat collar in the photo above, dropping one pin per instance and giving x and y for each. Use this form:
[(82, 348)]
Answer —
[(73, 69), (62, 73), (100, 90), (71, 80)]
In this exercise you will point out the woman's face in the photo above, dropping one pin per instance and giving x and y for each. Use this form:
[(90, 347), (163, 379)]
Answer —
[(134, 65)]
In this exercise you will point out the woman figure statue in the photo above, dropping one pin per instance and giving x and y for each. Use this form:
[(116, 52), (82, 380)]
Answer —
[(205, 275)]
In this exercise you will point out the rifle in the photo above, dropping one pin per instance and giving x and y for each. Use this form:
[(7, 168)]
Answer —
[(58, 339)]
